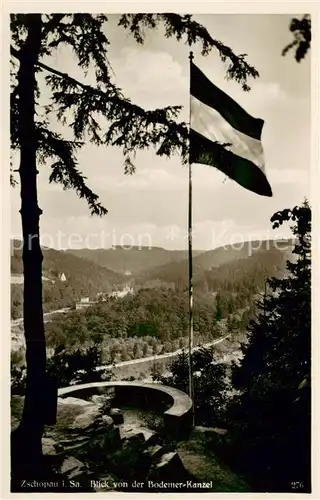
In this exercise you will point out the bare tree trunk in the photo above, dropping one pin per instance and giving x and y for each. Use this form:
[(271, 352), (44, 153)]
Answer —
[(28, 447)]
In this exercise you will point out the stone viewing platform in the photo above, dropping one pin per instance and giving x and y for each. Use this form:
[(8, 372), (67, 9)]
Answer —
[(177, 405), (125, 436)]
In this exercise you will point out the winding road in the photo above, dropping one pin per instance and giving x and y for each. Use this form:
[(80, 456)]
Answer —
[(46, 316), (159, 357)]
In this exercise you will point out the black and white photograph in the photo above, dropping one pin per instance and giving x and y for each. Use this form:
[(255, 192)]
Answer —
[(160, 249)]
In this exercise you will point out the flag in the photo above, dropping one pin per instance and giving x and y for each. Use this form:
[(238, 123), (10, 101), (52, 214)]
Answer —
[(216, 119)]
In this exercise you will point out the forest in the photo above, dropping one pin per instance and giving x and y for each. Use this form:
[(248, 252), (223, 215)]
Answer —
[(237, 270), (157, 322), (266, 405), (235, 274), (263, 402), (154, 319)]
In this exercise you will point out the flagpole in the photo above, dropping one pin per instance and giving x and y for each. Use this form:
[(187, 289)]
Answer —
[(190, 261)]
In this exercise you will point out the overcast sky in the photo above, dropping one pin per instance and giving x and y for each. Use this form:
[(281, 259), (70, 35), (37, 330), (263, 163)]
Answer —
[(153, 202)]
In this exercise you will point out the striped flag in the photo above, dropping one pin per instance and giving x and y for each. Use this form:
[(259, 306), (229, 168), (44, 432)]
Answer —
[(217, 119)]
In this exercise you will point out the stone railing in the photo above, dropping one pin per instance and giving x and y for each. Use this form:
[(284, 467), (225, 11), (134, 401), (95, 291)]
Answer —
[(176, 404)]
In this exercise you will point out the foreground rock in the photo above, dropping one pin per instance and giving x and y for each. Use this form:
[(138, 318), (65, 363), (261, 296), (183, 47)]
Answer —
[(154, 452), (117, 415), (149, 437), (74, 401), (49, 446), (90, 444), (103, 402), (107, 421), (169, 468), (86, 419), (72, 466)]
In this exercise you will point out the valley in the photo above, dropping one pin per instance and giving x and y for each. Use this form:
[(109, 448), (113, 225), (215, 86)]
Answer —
[(138, 319)]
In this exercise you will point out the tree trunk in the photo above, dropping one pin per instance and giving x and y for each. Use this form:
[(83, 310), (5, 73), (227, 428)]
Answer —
[(27, 446)]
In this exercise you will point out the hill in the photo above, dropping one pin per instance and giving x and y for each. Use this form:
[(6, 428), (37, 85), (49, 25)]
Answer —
[(131, 260), (58, 261), (224, 262), (82, 278), (158, 317), (229, 268), (242, 250)]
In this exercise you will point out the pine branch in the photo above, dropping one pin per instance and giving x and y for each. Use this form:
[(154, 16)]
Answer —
[(64, 170), (14, 52), (131, 126), (179, 26), (301, 29), (115, 95), (127, 125), (85, 34), (52, 24)]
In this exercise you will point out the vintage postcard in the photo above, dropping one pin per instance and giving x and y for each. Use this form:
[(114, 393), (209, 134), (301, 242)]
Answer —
[(160, 250)]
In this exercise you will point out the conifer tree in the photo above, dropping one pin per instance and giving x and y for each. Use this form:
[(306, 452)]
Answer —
[(301, 29), (271, 419), (81, 108)]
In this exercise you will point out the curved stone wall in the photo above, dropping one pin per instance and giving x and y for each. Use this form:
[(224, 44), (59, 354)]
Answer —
[(177, 404)]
